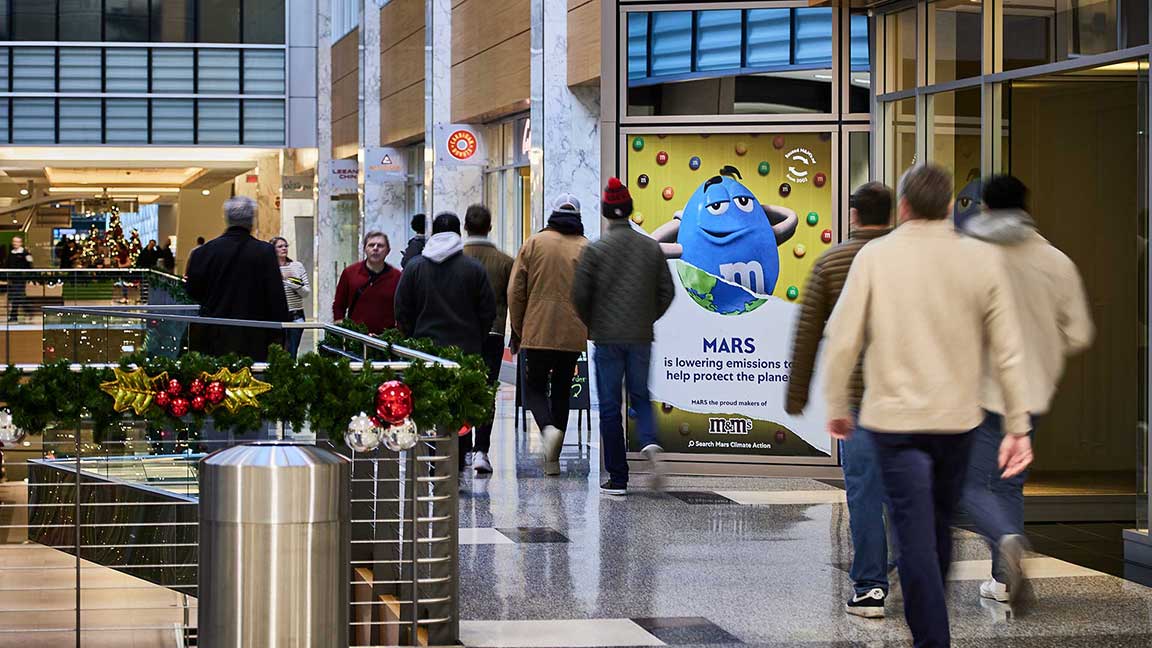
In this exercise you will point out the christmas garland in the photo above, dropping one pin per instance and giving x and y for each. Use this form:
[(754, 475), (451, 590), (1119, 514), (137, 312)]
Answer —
[(318, 389)]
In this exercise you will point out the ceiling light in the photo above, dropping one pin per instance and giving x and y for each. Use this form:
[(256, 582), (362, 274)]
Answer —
[(823, 77), (23, 192), (205, 192)]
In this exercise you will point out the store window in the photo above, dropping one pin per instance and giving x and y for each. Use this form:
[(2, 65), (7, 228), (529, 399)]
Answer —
[(860, 63), (219, 21), (263, 21), (1045, 31), (82, 21), (508, 182), (900, 50), (173, 21), (729, 62), (901, 152), (955, 143), (955, 43), (33, 20), (126, 20)]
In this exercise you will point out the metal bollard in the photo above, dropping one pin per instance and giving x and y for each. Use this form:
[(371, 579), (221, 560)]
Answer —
[(274, 547)]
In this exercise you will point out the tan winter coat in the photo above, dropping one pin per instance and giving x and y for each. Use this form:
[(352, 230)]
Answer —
[(540, 293), (931, 306)]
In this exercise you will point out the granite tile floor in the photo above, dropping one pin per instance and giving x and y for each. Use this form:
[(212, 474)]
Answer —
[(759, 565)]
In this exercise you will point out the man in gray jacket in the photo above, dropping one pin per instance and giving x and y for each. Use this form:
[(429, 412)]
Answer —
[(1052, 307), (622, 287)]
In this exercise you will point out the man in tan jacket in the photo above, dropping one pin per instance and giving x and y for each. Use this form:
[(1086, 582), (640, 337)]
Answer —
[(1052, 307), (545, 323), (930, 306)]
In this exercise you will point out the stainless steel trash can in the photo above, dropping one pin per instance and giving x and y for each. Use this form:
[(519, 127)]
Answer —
[(274, 547)]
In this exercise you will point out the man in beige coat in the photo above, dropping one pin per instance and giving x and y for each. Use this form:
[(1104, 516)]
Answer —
[(1053, 309), (930, 305), (545, 324)]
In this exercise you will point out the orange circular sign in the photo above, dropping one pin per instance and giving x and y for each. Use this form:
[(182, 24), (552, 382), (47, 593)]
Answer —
[(462, 144)]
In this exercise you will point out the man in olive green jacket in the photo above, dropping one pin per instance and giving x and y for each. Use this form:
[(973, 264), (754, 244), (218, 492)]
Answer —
[(870, 216), (478, 224)]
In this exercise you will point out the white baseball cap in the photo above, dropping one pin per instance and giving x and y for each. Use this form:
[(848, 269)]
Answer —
[(566, 203)]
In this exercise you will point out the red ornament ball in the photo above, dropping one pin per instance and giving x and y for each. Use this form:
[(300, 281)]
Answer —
[(778, 142), (178, 407), (668, 193), (393, 402), (826, 236), (199, 403), (174, 387), (196, 387), (820, 180), (162, 398), (662, 158), (214, 392)]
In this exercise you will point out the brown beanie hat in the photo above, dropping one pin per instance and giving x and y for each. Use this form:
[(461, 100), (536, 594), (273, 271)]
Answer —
[(616, 202)]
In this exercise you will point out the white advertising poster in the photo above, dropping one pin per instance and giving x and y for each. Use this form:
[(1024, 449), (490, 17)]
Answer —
[(718, 380), (459, 144), (343, 177)]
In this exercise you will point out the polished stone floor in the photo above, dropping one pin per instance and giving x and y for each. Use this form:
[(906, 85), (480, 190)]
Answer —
[(721, 562)]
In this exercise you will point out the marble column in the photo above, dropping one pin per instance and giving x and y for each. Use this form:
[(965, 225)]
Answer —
[(565, 121), (385, 203), (446, 188), (337, 221)]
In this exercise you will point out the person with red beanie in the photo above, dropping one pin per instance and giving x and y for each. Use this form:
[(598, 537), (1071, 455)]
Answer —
[(622, 286)]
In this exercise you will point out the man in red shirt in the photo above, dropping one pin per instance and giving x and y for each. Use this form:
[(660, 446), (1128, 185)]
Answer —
[(366, 293)]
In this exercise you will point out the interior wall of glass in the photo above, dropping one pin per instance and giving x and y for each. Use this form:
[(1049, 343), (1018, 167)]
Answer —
[(955, 45), (1046, 31), (144, 21), (955, 143)]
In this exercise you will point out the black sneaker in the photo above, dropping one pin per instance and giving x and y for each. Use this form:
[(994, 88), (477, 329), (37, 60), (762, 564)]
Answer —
[(613, 488), (869, 605)]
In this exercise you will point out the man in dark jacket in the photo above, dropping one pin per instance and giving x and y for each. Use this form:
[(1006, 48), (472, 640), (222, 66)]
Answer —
[(870, 215), (622, 287), (445, 296), (478, 224), (416, 243), (236, 276)]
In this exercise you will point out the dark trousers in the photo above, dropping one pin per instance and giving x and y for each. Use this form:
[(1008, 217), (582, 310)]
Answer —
[(924, 478), (493, 354), (995, 505), (17, 296), (548, 385), (623, 368)]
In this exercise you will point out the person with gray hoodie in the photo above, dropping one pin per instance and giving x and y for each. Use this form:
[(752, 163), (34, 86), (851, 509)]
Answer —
[(444, 296), (1052, 308)]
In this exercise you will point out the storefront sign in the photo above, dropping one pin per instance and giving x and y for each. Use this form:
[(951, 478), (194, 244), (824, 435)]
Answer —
[(721, 359), (458, 144), (523, 145), (343, 177), (298, 186), (385, 164)]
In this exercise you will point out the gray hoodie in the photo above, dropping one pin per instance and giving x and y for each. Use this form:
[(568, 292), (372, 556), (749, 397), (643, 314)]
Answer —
[(1001, 226)]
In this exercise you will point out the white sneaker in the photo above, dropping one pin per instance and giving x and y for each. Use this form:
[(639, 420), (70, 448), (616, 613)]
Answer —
[(553, 444), (480, 463), (652, 453), (1013, 548), (994, 590)]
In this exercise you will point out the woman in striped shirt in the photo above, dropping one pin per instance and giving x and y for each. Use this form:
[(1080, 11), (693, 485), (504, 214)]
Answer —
[(296, 288)]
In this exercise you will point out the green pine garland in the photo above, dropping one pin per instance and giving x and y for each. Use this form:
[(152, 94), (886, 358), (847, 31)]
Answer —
[(321, 390)]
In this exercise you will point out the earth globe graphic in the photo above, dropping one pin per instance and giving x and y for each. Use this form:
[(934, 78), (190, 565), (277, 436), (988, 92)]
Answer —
[(716, 295)]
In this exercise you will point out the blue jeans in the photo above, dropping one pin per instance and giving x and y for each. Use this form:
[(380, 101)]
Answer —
[(620, 368), (866, 499), (924, 478), (995, 505), (292, 336)]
